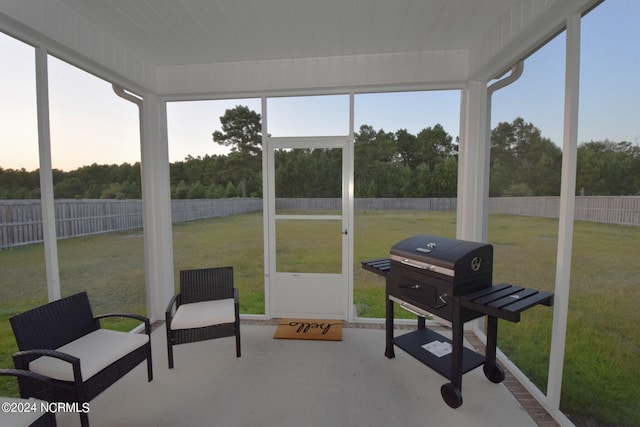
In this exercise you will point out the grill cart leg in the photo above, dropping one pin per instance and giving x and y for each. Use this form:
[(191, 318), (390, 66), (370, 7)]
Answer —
[(422, 323), (452, 392), (491, 369), (389, 330)]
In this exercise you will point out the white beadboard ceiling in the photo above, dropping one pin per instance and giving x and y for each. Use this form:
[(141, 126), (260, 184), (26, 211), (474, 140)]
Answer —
[(190, 47), (181, 32)]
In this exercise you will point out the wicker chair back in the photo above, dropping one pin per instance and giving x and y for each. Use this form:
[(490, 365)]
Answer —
[(55, 324), (206, 284)]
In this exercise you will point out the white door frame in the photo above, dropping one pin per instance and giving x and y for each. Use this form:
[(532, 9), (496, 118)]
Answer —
[(283, 290)]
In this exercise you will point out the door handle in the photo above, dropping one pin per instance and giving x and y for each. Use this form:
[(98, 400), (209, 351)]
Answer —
[(345, 232)]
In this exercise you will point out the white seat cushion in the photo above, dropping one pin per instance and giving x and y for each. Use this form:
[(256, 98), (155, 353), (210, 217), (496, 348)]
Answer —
[(96, 351), (205, 313), (24, 418)]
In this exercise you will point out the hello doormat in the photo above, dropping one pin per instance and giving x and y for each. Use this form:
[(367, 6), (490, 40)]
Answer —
[(309, 329)]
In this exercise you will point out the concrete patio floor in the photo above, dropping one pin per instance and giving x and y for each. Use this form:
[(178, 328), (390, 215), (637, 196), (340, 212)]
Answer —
[(296, 383)]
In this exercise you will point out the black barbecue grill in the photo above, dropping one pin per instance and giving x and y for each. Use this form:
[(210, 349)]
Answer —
[(452, 279)]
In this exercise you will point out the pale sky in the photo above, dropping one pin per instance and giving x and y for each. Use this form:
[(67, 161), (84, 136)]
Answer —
[(90, 124)]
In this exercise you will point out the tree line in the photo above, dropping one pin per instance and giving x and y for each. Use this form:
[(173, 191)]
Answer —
[(387, 164)]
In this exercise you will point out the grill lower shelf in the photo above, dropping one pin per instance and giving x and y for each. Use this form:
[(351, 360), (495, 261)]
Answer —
[(412, 343)]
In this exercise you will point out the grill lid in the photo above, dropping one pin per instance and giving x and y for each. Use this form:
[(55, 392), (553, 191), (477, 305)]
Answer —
[(450, 257)]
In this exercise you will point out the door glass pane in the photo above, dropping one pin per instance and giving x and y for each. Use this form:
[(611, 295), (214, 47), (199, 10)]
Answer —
[(308, 181), (308, 246)]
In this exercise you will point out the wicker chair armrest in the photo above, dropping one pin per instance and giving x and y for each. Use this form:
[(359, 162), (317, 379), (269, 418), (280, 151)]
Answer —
[(236, 302), (22, 359), (22, 373), (43, 391), (175, 300), (147, 322)]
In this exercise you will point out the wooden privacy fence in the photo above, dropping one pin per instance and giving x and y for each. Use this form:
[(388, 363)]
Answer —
[(372, 204), (382, 204), (619, 210), (189, 210), (21, 220)]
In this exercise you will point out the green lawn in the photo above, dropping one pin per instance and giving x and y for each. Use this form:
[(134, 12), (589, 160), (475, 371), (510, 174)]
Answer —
[(601, 375)]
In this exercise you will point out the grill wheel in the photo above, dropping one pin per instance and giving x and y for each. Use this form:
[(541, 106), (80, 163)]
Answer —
[(451, 395), (495, 375)]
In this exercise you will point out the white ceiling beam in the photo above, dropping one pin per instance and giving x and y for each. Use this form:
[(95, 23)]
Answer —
[(317, 74)]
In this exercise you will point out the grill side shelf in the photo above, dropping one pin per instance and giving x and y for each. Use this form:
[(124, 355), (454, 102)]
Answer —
[(379, 266), (505, 301)]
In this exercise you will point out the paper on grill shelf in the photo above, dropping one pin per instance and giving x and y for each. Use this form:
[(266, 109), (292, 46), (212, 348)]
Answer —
[(438, 348)]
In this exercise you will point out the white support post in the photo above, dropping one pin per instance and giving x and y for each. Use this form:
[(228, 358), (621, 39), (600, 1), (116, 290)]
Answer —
[(350, 178), (473, 164), (266, 210), (46, 177), (156, 200), (567, 209)]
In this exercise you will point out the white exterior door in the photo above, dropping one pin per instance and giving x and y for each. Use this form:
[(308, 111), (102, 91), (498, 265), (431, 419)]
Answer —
[(309, 237)]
